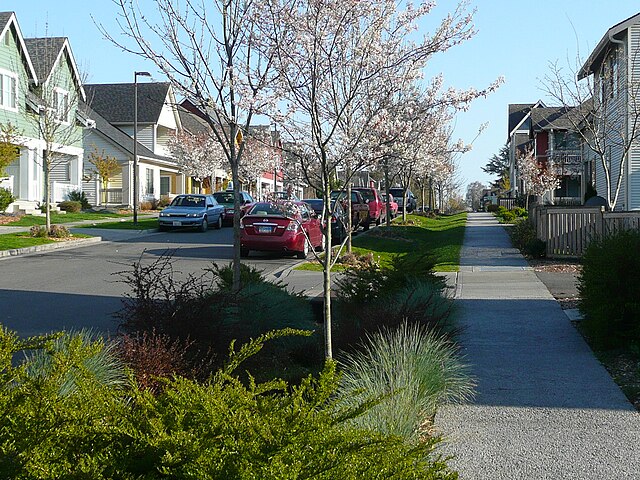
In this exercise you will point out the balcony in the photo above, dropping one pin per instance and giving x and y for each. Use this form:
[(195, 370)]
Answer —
[(568, 162)]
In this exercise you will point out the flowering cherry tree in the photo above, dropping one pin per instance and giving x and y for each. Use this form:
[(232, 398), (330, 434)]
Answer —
[(213, 54), (198, 155), (332, 56), (538, 177)]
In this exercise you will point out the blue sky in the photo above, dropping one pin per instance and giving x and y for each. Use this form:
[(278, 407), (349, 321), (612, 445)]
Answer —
[(516, 40)]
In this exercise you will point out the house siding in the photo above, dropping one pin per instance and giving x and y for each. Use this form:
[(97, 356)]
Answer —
[(146, 135), (12, 60), (634, 155)]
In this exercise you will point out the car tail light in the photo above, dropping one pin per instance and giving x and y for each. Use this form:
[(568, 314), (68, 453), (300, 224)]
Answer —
[(333, 219), (293, 226)]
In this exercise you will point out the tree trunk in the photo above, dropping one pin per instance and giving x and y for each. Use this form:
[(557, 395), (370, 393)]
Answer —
[(236, 282), (386, 191), (326, 271), (47, 194), (349, 217)]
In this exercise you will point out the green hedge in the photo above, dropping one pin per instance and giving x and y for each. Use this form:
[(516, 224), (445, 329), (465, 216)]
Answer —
[(609, 287)]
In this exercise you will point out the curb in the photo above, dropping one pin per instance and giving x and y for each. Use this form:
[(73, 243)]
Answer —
[(81, 242)]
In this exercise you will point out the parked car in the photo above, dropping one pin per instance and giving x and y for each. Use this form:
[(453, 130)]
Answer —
[(398, 194), (278, 227), (281, 195), (359, 208), (192, 211), (393, 205), (377, 208), (339, 220), (226, 200)]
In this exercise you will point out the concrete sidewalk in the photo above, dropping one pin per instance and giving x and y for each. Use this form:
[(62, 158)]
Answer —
[(545, 408)]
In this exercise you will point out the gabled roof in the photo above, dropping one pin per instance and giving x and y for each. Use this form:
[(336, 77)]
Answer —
[(46, 54), (518, 112), (116, 135), (595, 59), (191, 122), (6, 20), (114, 101)]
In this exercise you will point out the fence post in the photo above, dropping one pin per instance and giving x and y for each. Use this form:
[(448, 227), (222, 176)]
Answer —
[(600, 223)]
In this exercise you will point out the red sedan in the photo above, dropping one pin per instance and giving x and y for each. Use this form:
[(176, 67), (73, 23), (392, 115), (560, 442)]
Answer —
[(280, 227)]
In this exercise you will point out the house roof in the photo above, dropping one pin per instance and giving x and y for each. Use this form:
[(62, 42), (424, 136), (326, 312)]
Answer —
[(552, 118), (595, 59), (191, 122), (517, 112), (6, 20), (46, 53), (114, 101), (116, 135)]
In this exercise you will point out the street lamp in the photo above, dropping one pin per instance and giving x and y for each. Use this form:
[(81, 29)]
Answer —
[(135, 142)]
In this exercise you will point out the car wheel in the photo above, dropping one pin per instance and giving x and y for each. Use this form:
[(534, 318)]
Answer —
[(162, 228), (244, 252), (219, 222), (205, 225), (303, 254)]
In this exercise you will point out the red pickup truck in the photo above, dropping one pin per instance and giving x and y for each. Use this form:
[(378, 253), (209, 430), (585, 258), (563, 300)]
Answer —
[(359, 208), (377, 206)]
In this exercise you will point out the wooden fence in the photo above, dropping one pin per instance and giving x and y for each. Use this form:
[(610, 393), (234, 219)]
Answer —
[(567, 231)]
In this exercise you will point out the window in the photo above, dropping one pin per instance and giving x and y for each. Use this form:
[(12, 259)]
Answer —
[(8, 91), (165, 185), (614, 72), (61, 99), (6, 39), (149, 183)]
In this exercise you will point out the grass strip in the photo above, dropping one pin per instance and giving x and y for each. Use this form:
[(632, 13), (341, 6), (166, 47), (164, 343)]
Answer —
[(9, 241), (442, 236)]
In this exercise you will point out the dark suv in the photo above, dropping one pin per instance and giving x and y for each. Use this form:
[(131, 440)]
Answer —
[(398, 195)]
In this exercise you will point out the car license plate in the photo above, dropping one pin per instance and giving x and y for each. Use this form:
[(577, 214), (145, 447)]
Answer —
[(263, 229), (177, 224)]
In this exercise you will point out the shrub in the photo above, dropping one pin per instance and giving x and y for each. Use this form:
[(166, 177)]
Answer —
[(492, 208), (146, 205), (164, 201), (70, 206), (410, 373), (6, 198), (203, 308), (520, 212), (60, 419), (78, 196), (536, 248), (609, 286), (56, 231)]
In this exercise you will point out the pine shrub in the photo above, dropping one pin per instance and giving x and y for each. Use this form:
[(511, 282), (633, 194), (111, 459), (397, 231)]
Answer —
[(78, 196), (70, 206)]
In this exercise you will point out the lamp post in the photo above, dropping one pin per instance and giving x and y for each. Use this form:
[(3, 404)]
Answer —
[(135, 143)]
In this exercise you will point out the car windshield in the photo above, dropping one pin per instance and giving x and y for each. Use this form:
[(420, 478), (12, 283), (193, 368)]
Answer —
[(188, 201), (367, 194), (396, 192), (223, 197), (316, 203), (266, 209)]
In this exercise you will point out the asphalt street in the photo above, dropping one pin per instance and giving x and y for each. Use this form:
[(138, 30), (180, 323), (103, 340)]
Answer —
[(81, 288)]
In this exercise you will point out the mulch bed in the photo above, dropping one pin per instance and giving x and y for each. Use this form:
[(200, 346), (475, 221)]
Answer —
[(6, 219)]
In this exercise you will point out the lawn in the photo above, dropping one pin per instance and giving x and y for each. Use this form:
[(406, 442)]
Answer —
[(30, 220), (442, 236), (9, 241), (127, 224)]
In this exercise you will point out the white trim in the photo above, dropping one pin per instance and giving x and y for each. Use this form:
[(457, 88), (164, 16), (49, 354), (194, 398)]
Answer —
[(15, 77), (25, 52), (66, 112)]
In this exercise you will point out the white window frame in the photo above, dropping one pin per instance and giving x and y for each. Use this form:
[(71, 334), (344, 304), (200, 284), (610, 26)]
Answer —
[(63, 115), (4, 76)]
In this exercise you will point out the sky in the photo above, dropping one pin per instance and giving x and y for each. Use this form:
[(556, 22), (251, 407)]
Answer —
[(514, 40)]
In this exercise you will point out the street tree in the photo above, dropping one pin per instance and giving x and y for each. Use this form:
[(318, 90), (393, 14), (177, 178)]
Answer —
[(214, 54), (474, 194), (198, 155), (602, 103), (105, 167), (331, 55)]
